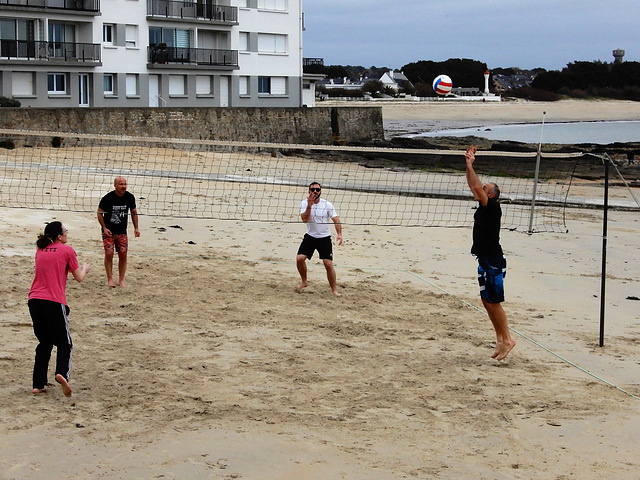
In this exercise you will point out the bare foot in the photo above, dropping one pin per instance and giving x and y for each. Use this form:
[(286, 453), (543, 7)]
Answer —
[(496, 352), (36, 391), (301, 286), (337, 294), (111, 283), (122, 284), (505, 349), (66, 389)]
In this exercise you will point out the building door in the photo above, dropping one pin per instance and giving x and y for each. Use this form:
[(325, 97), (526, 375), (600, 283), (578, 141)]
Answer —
[(83, 90), (224, 91), (154, 90)]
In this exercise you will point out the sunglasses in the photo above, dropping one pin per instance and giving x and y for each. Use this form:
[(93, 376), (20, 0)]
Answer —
[(315, 189)]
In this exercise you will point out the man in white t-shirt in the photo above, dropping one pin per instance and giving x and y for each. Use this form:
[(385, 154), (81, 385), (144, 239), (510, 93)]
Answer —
[(316, 212)]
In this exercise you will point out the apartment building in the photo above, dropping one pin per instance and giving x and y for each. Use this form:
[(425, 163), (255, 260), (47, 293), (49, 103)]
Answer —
[(152, 53)]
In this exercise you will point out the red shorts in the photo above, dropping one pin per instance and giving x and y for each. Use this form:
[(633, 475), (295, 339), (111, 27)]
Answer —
[(119, 241)]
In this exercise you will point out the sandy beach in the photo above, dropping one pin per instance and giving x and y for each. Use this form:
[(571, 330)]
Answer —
[(209, 364), (411, 117)]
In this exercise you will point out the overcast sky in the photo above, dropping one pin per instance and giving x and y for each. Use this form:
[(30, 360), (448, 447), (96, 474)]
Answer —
[(500, 33)]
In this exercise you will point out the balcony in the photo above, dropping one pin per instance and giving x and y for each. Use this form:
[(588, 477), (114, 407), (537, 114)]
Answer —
[(91, 6), (58, 52), (201, 10), (195, 57)]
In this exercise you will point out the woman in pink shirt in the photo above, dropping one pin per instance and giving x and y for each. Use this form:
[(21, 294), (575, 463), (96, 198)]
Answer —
[(48, 305)]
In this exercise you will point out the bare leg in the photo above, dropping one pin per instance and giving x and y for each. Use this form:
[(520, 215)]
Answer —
[(500, 324), (301, 263), (108, 266), (331, 276), (122, 267), (66, 388)]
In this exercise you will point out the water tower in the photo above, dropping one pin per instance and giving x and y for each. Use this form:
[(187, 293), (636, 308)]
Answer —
[(617, 55)]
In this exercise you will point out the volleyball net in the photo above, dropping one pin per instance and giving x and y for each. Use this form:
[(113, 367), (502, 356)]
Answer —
[(266, 182)]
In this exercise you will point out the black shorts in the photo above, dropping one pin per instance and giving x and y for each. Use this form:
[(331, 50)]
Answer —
[(322, 245)]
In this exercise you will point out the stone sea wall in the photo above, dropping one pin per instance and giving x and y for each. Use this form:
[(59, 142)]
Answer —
[(316, 126)]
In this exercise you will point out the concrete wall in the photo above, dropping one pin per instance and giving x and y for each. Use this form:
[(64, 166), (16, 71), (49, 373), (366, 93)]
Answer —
[(319, 125)]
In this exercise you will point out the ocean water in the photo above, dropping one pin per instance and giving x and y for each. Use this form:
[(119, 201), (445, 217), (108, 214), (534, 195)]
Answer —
[(564, 133)]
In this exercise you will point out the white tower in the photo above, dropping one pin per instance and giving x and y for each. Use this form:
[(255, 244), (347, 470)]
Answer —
[(617, 55), (486, 82)]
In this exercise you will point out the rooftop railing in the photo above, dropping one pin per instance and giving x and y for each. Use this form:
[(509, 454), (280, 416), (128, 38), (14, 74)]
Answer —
[(78, 5), (197, 10)]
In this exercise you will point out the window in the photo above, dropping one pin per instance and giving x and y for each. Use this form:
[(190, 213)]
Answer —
[(17, 29), (61, 33), (273, 4), (242, 3), (264, 85), (22, 84), (204, 85), (243, 85), (132, 85), (57, 83), (177, 85), (278, 86), (244, 42), (131, 36), (173, 37), (272, 43), (108, 31), (109, 83)]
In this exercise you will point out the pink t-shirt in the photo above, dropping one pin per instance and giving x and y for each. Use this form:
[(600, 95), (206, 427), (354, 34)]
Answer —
[(53, 263)]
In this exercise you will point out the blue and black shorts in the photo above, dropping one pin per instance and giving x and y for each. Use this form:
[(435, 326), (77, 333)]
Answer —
[(491, 273)]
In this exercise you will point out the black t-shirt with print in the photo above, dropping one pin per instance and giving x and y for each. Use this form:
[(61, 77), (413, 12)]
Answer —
[(116, 210)]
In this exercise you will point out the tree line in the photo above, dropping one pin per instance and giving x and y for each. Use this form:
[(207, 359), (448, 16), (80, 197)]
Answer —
[(577, 80)]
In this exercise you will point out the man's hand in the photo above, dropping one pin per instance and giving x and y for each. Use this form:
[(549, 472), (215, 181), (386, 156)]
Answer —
[(470, 154)]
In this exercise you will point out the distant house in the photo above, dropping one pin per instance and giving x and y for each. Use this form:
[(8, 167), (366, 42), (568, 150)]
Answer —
[(504, 83), (396, 81), (342, 83)]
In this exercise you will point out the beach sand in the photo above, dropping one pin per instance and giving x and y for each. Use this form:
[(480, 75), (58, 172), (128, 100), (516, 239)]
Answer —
[(410, 117), (209, 364)]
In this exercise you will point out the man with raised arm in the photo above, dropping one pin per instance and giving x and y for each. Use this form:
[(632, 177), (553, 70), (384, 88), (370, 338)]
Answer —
[(492, 265), (317, 212), (113, 216)]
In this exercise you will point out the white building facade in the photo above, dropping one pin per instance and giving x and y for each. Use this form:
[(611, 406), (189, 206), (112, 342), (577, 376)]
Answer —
[(151, 53)]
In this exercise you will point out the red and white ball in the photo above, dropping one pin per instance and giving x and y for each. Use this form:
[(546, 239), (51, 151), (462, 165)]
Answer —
[(442, 84)]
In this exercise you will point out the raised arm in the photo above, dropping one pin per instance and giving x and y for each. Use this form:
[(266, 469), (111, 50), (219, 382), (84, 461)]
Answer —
[(306, 215), (473, 181)]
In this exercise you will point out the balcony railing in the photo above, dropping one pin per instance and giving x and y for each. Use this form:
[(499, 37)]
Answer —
[(48, 51), (192, 56), (78, 5), (198, 10)]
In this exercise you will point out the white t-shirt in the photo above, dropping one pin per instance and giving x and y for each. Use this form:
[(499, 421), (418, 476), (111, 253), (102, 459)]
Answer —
[(321, 215)]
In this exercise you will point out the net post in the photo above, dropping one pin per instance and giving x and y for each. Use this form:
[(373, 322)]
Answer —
[(535, 180), (603, 280)]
